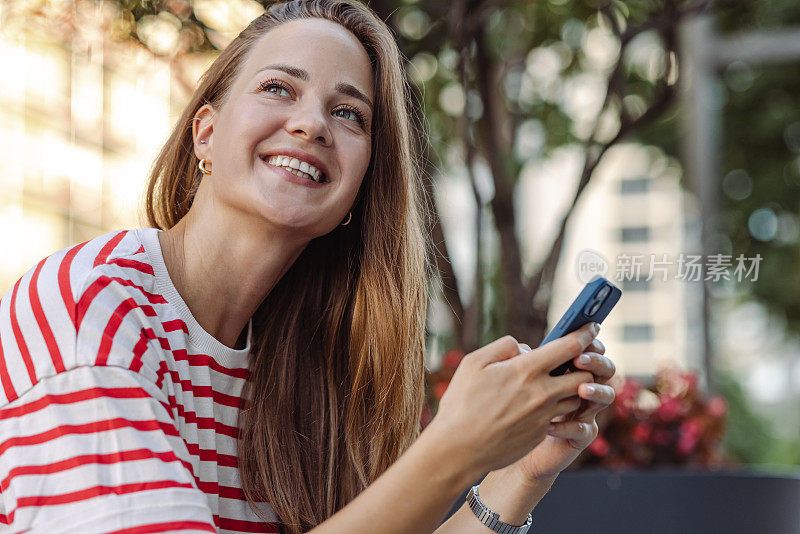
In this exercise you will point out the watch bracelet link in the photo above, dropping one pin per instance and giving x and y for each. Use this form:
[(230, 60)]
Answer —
[(490, 518)]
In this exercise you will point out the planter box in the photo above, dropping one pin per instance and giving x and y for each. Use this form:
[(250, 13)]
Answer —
[(668, 502)]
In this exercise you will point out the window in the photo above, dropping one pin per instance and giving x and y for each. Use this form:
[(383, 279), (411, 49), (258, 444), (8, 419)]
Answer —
[(637, 332), (632, 234), (633, 186), (639, 283)]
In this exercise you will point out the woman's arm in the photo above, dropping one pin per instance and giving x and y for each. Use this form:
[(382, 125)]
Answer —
[(499, 404), (505, 493), (413, 494), (515, 490)]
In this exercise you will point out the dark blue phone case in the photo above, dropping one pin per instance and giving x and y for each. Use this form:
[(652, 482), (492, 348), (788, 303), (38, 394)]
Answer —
[(592, 305)]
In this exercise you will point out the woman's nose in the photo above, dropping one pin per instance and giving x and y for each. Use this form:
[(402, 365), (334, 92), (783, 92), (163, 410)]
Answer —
[(308, 122)]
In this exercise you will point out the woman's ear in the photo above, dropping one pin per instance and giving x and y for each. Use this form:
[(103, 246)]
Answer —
[(202, 131)]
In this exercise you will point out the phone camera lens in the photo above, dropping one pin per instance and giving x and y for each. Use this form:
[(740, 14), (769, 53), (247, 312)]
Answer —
[(603, 292)]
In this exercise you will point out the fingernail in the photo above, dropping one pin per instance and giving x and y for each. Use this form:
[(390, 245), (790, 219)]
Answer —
[(584, 358), (590, 389), (595, 328)]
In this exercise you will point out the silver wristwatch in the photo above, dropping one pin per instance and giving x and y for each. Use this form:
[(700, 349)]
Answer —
[(490, 518)]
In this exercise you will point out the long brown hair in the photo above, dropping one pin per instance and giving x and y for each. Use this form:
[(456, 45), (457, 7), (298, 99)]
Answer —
[(336, 384)]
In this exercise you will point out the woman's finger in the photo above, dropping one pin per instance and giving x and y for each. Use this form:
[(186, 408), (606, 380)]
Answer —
[(599, 398), (601, 367), (596, 346), (580, 433), (568, 405)]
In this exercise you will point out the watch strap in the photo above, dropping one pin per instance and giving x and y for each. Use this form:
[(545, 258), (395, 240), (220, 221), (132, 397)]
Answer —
[(490, 518)]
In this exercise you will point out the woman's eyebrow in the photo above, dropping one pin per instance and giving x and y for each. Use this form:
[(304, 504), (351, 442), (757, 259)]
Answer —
[(341, 87)]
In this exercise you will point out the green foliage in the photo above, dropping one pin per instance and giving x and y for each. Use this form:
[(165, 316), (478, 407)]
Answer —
[(760, 171), (748, 437)]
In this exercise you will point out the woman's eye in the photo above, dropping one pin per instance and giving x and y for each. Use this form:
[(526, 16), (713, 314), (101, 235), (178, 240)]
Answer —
[(278, 90), (350, 114), (275, 88)]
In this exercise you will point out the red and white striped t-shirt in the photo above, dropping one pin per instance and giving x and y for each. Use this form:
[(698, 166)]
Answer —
[(118, 410)]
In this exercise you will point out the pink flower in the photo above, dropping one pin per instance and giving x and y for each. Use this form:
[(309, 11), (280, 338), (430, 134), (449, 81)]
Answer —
[(689, 435), (717, 407), (440, 388), (599, 447), (690, 379), (628, 393), (641, 432), (661, 436), (671, 408), (452, 358)]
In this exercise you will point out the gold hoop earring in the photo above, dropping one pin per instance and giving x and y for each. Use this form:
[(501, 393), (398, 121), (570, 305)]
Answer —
[(202, 165), (349, 216)]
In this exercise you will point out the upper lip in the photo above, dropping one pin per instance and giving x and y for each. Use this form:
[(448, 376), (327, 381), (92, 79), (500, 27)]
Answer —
[(302, 156)]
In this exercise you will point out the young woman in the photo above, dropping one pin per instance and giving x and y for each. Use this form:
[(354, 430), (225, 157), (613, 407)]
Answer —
[(252, 361)]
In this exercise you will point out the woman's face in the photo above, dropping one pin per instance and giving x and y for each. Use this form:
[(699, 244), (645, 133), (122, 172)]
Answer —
[(305, 92)]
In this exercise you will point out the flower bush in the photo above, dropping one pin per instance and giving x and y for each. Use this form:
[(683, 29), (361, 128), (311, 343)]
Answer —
[(668, 422)]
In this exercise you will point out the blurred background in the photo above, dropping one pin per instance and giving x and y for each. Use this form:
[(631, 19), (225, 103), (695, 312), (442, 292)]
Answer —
[(654, 142)]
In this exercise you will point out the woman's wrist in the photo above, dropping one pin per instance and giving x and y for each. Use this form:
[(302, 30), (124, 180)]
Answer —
[(458, 451), (511, 495)]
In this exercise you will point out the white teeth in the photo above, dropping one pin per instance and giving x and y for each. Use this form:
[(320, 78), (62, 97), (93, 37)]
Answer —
[(294, 164)]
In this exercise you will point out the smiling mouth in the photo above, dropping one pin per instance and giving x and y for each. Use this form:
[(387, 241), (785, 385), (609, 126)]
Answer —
[(296, 167)]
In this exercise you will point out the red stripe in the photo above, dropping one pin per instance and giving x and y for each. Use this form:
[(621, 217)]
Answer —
[(5, 378), (190, 417), (169, 526), (133, 264), (41, 320), (249, 526), (204, 360), (229, 492), (162, 370), (205, 391), (20, 339), (64, 284), (211, 455), (108, 248), (140, 249), (101, 283), (94, 491), (138, 350), (87, 459), (175, 324), (107, 340), (88, 428), (197, 391), (208, 423), (75, 396), (152, 298)]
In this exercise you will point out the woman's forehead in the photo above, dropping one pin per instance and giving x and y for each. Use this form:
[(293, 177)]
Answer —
[(322, 48)]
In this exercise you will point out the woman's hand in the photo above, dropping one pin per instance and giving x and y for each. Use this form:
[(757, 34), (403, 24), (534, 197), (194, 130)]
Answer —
[(570, 434), (500, 402)]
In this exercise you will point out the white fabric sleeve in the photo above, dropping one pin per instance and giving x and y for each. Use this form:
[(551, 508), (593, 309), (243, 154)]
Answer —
[(94, 449)]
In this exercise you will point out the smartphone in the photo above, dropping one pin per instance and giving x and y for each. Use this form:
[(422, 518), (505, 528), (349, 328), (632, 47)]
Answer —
[(592, 305)]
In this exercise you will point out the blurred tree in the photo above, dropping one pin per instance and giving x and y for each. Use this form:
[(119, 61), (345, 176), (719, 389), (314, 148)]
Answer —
[(760, 178), (484, 73)]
